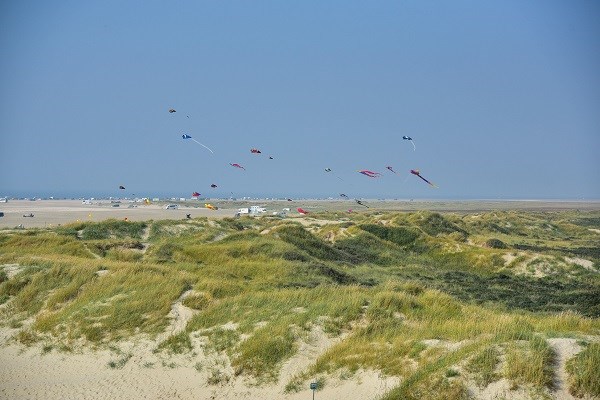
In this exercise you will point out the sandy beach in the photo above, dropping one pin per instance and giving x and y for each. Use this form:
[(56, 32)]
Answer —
[(51, 213)]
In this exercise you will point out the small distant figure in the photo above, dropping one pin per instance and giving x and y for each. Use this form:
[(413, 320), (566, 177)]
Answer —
[(213, 185), (126, 219), (28, 215), (188, 216)]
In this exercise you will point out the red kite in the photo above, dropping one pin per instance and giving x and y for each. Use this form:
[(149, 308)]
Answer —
[(370, 174)]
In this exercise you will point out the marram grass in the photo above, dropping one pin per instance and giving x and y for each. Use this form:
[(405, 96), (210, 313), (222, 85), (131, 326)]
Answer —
[(413, 295)]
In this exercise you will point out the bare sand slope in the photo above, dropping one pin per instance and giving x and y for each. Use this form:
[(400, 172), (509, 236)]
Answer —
[(29, 374)]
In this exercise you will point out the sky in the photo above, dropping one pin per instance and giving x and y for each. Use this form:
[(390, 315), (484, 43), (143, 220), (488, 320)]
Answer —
[(501, 98)]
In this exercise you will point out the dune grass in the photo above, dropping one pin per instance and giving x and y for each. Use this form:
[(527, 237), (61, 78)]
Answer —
[(408, 294), (584, 372), (530, 363)]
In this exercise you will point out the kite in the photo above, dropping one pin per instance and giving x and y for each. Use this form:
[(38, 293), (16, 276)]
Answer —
[(213, 186), (417, 173), (343, 195), (411, 140), (237, 166), (391, 169), (361, 203), (255, 151), (270, 157), (211, 207), (172, 110), (122, 187), (290, 200), (195, 194), (301, 211), (370, 174), (184, 136)]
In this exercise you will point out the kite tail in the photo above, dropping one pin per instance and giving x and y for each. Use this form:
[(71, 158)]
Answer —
[(430, 183), (203, 146), (414, 147), (425, 180)]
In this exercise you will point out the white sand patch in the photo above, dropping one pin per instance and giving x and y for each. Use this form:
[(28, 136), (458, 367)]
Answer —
[(230, 326), (594, 230), (307, 221), (180, 315), (564, 349), (309, 349), (509, 258), (220, 236), (451, 346), (500, 389), (587, 264), (538, 265), (12, 269)]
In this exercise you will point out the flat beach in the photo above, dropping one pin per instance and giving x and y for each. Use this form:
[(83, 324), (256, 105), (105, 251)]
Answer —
[(51, 213)]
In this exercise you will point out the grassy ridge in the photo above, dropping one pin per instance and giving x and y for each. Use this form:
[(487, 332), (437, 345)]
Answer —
[(412, 294)]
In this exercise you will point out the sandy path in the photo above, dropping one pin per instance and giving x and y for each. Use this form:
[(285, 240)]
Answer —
[(564, 350)]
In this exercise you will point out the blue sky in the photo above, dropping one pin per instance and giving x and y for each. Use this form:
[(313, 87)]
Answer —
[(502, 98)]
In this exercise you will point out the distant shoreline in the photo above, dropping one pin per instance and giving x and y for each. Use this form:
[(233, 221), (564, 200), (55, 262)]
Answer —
[(50, 213)]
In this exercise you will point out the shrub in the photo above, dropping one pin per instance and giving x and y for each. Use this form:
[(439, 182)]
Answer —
[(398, 235), (495, 244)]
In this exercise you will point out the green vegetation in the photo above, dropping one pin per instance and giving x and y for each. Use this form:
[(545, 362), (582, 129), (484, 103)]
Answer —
[(530, 363), (484, 365), (440, 300), (584, 372), (177, 344)]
